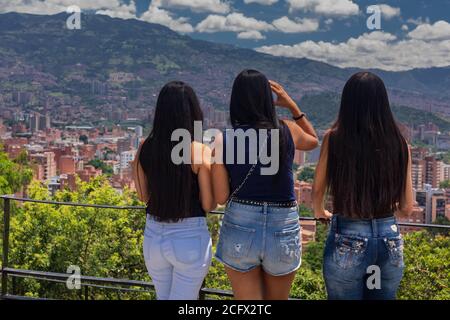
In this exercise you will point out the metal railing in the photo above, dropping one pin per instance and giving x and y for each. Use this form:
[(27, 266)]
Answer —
[(121, 285)]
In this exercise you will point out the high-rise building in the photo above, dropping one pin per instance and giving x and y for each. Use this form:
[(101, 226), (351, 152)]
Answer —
[(126, 158), (139, 131), (303, 193), (438, 205), (299, 157), (434, 171), (67, 164), (34, 121), (45, 163), (418, 170), (123, 144), (434, 202)]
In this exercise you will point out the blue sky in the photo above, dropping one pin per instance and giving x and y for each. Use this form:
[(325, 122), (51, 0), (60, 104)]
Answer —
[(413, 33)]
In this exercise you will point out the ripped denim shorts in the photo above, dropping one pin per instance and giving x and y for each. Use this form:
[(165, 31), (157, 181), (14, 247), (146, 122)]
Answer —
[(253, 236)]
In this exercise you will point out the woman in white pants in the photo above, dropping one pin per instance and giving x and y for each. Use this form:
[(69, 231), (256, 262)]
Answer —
[(177, 243)]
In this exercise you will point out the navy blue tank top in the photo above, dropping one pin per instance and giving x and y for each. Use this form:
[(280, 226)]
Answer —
[(259, 187)]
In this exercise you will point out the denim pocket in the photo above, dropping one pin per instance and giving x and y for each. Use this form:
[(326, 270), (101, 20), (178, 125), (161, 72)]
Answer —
[(349, 250), (236, 240), (289, 244), (394, 246), (187, 250)]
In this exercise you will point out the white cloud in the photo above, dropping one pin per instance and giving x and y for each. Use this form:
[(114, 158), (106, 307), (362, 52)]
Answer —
[(418, 21), (371, 50), (215, 6), (124, 11), (287, 25), (154, 14), (261, 2), (389, 12), (234, 22), (251, 35), (325, 7), (437, 31), (55, 6), (405, 27)]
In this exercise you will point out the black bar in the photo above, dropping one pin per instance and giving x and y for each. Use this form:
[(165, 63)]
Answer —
[(89, 281), (6, 217)]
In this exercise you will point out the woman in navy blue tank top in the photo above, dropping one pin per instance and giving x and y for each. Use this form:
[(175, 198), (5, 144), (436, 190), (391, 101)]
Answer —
[(260, 237)]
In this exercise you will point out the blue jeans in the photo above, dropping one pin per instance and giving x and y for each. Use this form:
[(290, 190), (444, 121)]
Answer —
[(253, 236), (363, 259), (177, 256)]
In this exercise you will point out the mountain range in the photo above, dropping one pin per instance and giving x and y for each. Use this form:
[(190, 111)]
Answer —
[(61, 59)]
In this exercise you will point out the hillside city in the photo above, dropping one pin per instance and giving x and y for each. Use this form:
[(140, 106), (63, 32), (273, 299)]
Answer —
[(41, 128)]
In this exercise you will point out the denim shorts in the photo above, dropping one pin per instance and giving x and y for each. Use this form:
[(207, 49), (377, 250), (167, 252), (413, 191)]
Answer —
[(253, 236)]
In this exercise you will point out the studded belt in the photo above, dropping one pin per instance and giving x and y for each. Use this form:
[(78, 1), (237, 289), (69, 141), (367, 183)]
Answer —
[(288, 204)]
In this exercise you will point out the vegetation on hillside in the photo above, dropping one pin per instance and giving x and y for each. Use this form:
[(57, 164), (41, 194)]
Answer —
[(108, 243)]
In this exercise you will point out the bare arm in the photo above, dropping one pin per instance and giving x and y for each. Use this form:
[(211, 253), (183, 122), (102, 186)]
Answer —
[(220, 179), (320, 183), (204, 179), (140, 180), (303, 133), (406, 206)]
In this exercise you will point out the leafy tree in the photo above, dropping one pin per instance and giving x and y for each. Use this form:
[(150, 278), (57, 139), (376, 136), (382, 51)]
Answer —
[(99, 164), (102, 242), (13, 176), (307, 174), (445, 184), (304, 211), (108, 243), (427, 267), (84, 138)]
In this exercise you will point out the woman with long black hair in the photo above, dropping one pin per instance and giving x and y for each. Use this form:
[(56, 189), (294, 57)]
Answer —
[(260, 237), (365, 164), (177, 243)]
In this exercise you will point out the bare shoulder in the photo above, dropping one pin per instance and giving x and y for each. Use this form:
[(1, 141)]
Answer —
[(205, 151)]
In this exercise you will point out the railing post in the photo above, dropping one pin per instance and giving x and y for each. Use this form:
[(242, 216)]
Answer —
[(86, 293), (6, 218), (201, 295)]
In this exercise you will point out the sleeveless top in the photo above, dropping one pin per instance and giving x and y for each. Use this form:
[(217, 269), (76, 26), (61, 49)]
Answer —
[(259, 187), (196, 206)]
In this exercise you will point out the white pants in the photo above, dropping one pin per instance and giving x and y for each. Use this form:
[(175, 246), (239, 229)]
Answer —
[(177, 256)]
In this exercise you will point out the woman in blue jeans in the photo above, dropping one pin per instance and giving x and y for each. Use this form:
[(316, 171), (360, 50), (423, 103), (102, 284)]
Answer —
[(365, 163), (177, 243), (260, 238)]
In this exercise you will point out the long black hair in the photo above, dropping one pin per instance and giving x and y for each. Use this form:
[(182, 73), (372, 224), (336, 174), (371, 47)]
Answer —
[(252, 104), (169, 184), (368, 156)]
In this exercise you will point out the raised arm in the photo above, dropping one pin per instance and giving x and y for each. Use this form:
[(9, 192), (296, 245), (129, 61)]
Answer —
[(320, 182), (303, 133)]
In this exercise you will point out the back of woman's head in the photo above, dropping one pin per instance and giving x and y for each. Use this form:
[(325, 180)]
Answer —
[(252, 105), (169, 184), (252, 101), (368, 156)]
